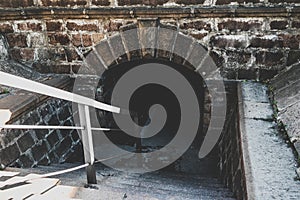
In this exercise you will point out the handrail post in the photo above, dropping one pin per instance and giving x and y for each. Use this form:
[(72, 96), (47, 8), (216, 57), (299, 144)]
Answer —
[(87, 142)]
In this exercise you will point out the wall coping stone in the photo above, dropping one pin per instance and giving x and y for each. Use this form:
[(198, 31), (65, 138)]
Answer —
[(269, 164), (146, 12), (22, 101)]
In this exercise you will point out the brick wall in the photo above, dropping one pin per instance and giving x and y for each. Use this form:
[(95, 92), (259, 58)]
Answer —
[(230, 152), (249, 39)]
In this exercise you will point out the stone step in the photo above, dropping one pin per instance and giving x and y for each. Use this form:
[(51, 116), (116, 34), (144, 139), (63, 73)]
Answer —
[(61, 191), (108, 192)]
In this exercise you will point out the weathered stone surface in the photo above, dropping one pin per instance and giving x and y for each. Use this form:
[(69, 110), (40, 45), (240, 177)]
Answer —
[(25, 142)]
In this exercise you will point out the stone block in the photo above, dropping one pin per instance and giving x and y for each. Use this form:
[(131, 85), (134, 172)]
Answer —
[(9, 154), (39, 150), (25, 142)]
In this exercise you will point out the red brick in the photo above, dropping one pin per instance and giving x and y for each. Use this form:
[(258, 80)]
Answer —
[(236, 25), (20, 3), (76, 40), (30, 26), (189, 2), (280, 25), (198, 25), (221, 2), (54, 26), (6, 28), (101, 2), (266, 43), (296, 24), (58, 38), (141, 2), (72, 26), (290, 41), (113, 26), (17, 40), (198, 36), (269, 58), (84, 40), (64, 3)]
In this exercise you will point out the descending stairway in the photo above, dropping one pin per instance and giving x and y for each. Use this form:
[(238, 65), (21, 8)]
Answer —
[(112, 184)]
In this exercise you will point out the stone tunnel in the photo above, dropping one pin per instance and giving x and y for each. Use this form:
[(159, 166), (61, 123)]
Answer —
[(252, 44)]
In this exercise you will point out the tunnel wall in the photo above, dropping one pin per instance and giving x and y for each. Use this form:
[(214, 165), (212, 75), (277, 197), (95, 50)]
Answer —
[(249, 39)]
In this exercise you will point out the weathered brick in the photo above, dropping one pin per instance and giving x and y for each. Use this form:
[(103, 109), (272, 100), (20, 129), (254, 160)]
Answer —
[(82, 26), (221, 2), (97, 37), (293, 57), (198, 36), (71, 54), (6, 28), (269, 58), (64, 3), (25, 142), (60, 68), (296, 24), (54, 26), (189, 2), (101, 2), (17, 40), (30, 26), (225, 42), (58, 38), (266, 43), (280, 25), (40, 134), (113, 26), (198, 25), (232, 25), (286, 1), (17, 3), (27, 54), (9, 154), (290, 41), (141, 2), (238, 56)]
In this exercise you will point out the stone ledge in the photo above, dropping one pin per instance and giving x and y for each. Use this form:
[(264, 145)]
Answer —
[(268, 162), (22, 101), (144, 12)]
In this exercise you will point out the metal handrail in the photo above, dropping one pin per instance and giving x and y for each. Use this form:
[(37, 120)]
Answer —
[(83, 107)]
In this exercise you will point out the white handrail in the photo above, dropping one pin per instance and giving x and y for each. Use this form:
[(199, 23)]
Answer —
[(32, 86)]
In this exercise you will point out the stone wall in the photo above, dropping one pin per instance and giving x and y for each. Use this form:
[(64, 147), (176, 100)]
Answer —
[(28, 148), (249, 39)]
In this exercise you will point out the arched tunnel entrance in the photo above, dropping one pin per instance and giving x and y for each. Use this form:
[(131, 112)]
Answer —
[(140, 103)]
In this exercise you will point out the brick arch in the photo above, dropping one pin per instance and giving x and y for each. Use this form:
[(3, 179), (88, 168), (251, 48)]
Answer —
[(148, 39)]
